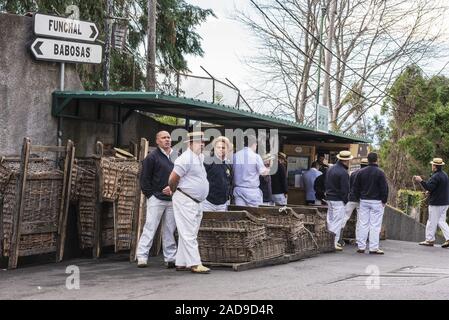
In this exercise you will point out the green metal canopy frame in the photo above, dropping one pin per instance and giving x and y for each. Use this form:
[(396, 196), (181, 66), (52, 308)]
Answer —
[(163, 104)]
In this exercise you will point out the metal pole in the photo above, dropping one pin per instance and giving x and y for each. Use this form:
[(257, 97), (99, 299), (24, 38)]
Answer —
[(323, 13), (61, 88), (107, 46)]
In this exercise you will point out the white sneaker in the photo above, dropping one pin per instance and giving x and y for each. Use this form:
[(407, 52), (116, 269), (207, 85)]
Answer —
[(142, 263)]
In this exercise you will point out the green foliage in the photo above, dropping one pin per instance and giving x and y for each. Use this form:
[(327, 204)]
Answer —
[(408, 199), (418, 128), (175, 36)]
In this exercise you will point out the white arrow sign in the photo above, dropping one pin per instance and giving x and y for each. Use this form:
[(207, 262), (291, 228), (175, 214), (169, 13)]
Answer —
[(66, 51), (59, 27)]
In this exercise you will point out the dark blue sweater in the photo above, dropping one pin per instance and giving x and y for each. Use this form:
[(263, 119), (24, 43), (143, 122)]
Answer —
[(337, 183), (156, 169), (370, 184), (438, 186), (219, 176)]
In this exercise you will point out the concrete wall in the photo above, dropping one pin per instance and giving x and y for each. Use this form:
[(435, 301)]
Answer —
[(400, 226), (26, 86)]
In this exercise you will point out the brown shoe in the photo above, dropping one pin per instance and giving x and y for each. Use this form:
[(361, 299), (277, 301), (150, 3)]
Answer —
[(182, 268), (445, 244), (200, 269), (427, 243), (361, 250)]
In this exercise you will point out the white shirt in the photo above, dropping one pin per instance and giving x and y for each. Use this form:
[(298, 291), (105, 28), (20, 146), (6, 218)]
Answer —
[(248, 166), (189, 166)]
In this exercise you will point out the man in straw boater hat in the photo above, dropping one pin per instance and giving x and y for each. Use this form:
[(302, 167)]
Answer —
[(371, 188), (438, 187), (219, 175), (353, 203), (156, 169), (188, 182), (279, 182), (337, 190)]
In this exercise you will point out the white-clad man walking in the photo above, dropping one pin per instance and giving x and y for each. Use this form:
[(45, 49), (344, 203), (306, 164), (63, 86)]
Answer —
[(438, 187), (156, 169), (188, 182)]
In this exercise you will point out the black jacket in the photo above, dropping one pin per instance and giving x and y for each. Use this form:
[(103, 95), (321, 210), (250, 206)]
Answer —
[(265, 186), (370, 184), (279, 183), (352, 177), (320, 187), (438, 186), (337, 183), (156, 169), (219, 176)]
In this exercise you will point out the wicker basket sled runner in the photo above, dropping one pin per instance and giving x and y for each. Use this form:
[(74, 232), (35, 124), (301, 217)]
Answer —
[(34, 203), (284, 223), (235, 237), (106, 192)]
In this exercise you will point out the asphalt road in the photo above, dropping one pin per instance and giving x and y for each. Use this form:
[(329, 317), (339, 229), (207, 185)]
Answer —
[(406, 271)]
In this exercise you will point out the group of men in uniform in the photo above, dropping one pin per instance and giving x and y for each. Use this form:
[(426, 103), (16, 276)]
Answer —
[(366, 191), (179, 191)]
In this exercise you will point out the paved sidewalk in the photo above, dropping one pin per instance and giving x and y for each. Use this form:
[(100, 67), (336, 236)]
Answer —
[(407, 271)]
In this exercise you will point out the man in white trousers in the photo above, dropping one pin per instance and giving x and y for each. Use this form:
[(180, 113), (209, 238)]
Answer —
[(337, 190), (219, 175), (353, 203), (188, 182), (248, 166), (156, 169), (371, 188), (438, 188)]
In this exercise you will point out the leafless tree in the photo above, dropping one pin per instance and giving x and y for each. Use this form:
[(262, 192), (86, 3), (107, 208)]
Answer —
[(373, 40)]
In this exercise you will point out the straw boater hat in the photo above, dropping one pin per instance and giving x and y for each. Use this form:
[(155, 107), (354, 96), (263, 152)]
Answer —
[(364, 161), (228, 143), (282, 155), (344, 155), (267, 157), (195, 136), (437, 162)]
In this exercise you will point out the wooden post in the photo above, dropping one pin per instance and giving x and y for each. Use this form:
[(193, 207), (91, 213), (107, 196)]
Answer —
[(21, 183), (140, 204), (98, 207), (65, 200)]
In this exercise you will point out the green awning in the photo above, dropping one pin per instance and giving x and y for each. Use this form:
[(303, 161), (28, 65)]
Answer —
[(163, 104)]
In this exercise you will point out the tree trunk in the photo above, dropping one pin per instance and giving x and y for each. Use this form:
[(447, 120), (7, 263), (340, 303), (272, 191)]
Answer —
[(107, 45), (328, 59), (151, 51)]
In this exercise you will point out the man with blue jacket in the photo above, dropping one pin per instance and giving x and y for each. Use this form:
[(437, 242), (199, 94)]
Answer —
[(371, 188), (438, 187), (156, 169), (337, 190)]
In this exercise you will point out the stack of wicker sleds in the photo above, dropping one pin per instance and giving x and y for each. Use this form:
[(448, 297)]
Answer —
[(238, 239)]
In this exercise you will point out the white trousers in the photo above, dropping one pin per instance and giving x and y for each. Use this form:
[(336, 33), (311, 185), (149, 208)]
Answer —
[(248, 197), (350, 206), (157, 210), (369, 224), (188, 215), (437, 218), (279, 199), (335, 216), (207, 206)]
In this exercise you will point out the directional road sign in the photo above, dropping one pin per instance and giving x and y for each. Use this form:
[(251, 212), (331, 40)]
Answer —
[(66, 51), (66, 28)]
